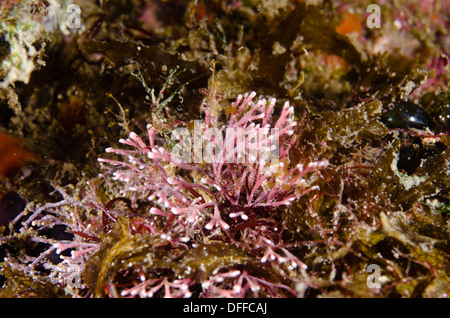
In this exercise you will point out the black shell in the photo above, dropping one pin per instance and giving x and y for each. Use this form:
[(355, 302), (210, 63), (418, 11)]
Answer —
[(443, 117), (409, 158), (411, 155), (11, 204), (406, 115)]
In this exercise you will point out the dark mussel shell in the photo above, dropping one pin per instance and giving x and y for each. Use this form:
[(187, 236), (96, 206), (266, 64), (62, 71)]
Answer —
[(406, 115), (411, 155), (443, 117)]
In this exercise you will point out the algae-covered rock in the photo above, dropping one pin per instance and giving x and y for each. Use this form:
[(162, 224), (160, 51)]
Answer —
[(357, 204)]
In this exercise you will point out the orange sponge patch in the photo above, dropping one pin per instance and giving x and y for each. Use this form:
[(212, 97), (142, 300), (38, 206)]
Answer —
[(13, 155), (350, 24)]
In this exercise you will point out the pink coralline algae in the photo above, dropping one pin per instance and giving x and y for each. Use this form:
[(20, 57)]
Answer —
[(230, 200), (200, 195), (204, 227)]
